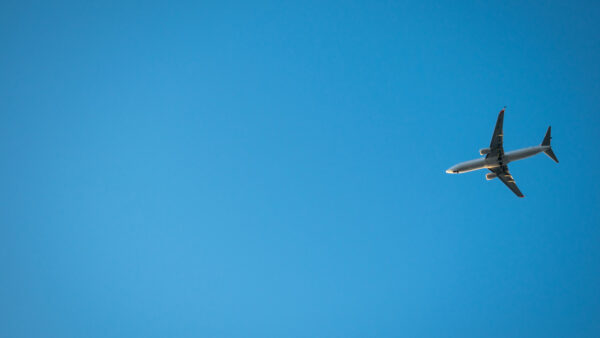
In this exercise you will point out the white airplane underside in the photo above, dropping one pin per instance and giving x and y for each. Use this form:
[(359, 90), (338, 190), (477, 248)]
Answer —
[(496, 159)]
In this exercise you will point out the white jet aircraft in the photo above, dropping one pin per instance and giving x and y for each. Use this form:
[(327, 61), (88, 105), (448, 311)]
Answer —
[(496, 159)]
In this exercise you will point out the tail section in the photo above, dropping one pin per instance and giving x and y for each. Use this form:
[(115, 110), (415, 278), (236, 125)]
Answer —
[(546, 142)]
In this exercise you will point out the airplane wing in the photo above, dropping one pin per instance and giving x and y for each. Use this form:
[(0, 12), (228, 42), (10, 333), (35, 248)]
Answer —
[(504, 175), (496, 148)]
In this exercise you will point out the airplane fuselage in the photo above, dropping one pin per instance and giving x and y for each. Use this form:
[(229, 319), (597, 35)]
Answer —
[(493, 162)]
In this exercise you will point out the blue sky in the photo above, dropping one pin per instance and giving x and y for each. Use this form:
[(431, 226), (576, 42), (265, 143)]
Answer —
[(270, 169)]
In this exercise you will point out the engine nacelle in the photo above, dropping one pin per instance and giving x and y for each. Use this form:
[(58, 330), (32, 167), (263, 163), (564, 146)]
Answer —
[(484, 151), (490, 176)]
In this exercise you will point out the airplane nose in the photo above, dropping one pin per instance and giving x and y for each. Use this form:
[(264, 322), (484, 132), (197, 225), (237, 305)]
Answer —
[(449, 171)]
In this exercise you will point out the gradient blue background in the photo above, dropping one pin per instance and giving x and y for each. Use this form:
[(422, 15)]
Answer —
[(271, 169)]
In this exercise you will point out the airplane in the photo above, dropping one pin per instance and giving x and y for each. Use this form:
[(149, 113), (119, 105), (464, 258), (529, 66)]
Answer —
[(496, 160)]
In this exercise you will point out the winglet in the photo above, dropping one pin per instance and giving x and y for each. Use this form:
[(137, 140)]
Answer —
[(546, 142)]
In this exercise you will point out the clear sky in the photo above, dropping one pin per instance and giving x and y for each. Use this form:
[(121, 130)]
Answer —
[(277, 169)]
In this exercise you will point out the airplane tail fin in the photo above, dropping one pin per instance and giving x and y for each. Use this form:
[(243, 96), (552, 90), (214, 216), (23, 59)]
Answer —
[(546, 142)]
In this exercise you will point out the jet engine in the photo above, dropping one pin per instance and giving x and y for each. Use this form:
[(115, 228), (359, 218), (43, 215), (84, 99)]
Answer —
[(484, 151), (490, 176)]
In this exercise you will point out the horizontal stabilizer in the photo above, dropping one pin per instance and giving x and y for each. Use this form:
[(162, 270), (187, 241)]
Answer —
[(547, 138), (546, 142), (550, 154)]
